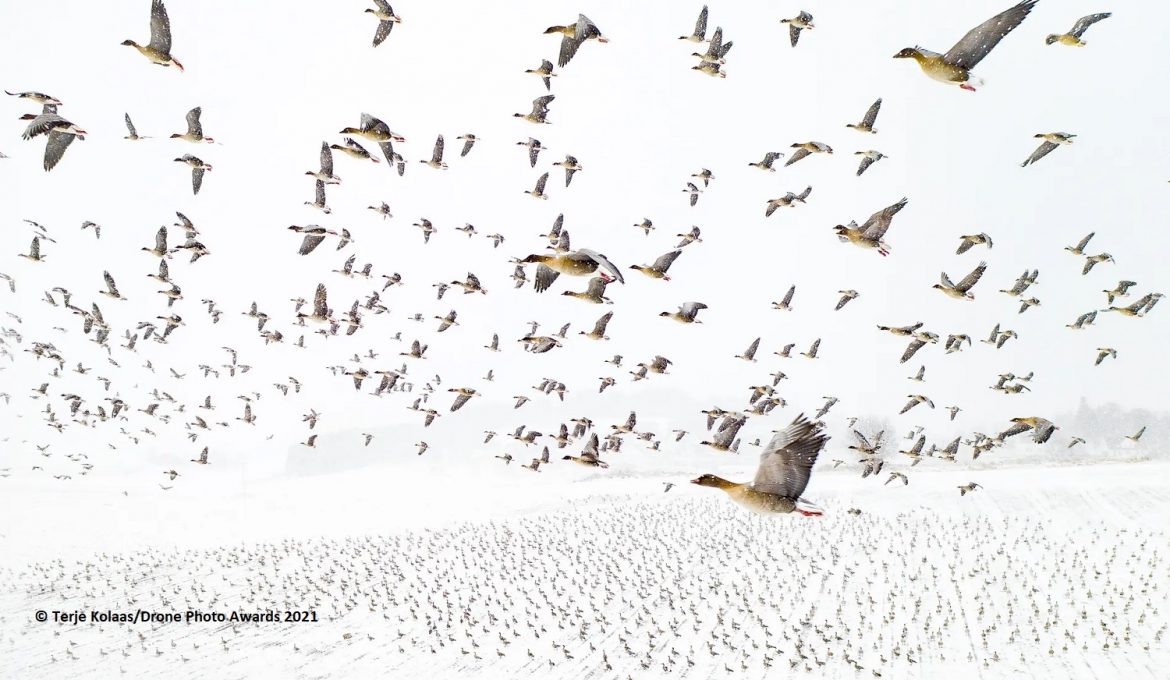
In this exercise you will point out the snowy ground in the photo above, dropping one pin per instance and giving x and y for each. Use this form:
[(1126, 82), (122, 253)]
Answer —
[(1047, 572)]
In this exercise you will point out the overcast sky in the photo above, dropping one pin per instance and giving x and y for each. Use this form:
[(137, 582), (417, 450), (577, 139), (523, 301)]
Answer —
[(276, 79)]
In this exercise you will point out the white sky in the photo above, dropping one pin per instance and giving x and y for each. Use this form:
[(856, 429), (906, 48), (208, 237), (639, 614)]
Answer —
[(275, 79)]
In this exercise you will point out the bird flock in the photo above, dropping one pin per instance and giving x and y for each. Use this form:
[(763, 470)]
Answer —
[(127, 414), (629, 590), (594, 589)]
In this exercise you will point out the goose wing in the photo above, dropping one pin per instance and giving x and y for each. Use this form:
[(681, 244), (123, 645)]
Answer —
[(701, 24), (1041, 151), (603, 262), (799, 153), (971, 279), (160, 28), (879, 222), (786, 463), (599, 327), (320, 303), (664, 261), (55, 148), (872, 114), (326, 159), (1085, 22), (545, 276), (194, 127), (979, 41)]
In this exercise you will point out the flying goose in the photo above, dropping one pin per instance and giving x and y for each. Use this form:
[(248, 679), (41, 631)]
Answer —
[(386, 20), (581, 262), (589, 457), (785, 468), (962, 290), (570, 166), (539, 110), (160, 244), (846, 296), (319, 201), (700, 31), (545, 71), (966, 242), (1051, 141), (447, 321), (198, 167), (58, 131), (35, 97), (661, 265), (866, 124), (1022, 283), (471, 285), (1041, 428), (574, 35), (688, 238), (1073, 37), (469, 141), (868, 158), (352, 148), (111, 290), (804, 149), (872, 233), (1122, 290), (321, 313), (788, 200), (769, 158), (436, 161), (314, 235), (1079, 248), (463, 395), (539, 344), (538, 190), (955, 66), (598, 332), (34, 253), (916, 399), (705, 175), (1139, 308), (716, 51), (687, 312), (1027, 303), (786, 303), (594, 293), (375, 130), (325, 174), (194, 131), (1092, 261), (749, 354), (158, 51), (534, 149), (133, 136), (796, 24)]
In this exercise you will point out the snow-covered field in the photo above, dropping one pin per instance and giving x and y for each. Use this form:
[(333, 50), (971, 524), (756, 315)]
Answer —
[(1044, 572)]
